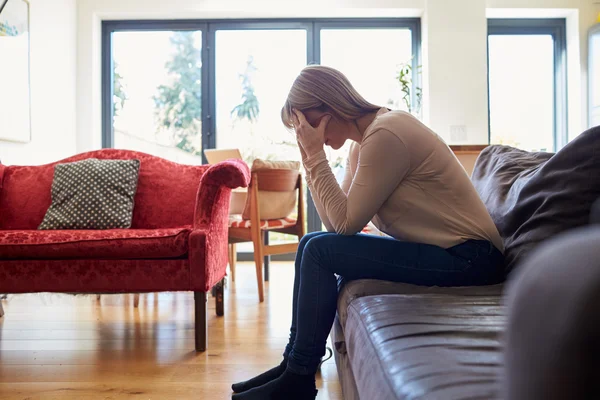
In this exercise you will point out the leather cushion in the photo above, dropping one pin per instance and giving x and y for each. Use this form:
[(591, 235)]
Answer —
[(86, 244), (534, 196), (429, 346), (350, 291)]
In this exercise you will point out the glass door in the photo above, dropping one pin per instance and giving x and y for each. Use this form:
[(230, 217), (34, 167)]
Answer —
[(371, 58), (157, 93), (174, 88), (254, 70)]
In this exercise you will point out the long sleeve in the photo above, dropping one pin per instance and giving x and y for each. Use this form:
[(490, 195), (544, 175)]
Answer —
[(383, 163), (348, 175), (345, 185), (318, 205)]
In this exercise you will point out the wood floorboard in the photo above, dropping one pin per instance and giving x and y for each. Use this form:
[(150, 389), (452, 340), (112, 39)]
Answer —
[(56, 346)]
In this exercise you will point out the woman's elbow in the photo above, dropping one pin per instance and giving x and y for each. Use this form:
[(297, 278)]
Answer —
[(347, 229)]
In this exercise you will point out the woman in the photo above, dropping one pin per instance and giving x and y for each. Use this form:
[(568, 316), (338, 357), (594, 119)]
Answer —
[(402, 177)]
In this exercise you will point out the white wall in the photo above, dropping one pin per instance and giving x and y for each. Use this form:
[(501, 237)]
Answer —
[(455, 56), (53, 71), (454, 49)]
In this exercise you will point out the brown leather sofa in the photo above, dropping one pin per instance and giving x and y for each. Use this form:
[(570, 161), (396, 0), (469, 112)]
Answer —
[(399, 341)]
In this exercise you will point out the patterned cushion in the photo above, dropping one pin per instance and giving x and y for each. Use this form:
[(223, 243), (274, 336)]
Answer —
[(86, 244), (236, 221), (92, 194)]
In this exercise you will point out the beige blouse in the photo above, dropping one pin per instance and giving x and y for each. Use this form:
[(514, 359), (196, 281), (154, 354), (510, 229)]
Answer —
[(406, 180)]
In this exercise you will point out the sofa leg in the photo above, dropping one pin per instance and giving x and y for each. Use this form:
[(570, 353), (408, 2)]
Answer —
[(98, 297), (136, 300), (1, 310), (220, 297), (201, 321)]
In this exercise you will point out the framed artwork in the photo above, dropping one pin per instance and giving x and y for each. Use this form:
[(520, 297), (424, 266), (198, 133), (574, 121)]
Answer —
[(15, 95)]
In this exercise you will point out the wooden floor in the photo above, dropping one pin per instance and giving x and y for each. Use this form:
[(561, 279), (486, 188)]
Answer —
[(73, 347)]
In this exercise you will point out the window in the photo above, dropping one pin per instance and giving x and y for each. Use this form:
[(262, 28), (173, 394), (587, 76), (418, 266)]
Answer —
[(174, 88), (527, 83), (338, 46), (337, 49), (157, 93), (252, 80)]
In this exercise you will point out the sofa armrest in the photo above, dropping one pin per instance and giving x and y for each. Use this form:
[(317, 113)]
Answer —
[(551, 349), (209, 238), (214, 192), (2, 169)]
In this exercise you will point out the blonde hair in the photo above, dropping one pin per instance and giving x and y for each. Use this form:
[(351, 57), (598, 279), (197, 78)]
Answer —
[(325, 89)]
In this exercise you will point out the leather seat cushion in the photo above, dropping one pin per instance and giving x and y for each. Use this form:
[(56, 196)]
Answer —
[(425, 346)]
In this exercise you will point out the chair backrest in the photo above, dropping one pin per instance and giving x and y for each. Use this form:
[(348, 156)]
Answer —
[(276, 180), (275, 192), (166, 194)]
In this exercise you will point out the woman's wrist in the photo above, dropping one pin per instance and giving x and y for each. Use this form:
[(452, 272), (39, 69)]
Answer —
[(314, 159)]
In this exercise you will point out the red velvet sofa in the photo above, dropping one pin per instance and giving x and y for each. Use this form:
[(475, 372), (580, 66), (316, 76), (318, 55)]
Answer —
[(178, 238)]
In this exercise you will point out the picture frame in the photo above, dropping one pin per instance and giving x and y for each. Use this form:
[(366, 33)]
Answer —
[(15, 65)]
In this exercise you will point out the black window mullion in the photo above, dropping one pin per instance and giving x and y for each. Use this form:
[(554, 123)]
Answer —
[(107, 87), (315, 38), (209, 123), (416, 61), (313, 221), (561, 112)]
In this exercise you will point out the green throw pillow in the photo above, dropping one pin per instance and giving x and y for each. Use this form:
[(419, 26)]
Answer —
[(92, 194)]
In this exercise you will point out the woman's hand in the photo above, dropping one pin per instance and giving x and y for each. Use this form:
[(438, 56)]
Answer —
[(310, 139)]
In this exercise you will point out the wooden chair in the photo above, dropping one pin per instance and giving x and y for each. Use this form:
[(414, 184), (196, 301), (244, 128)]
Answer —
[(273, 180)]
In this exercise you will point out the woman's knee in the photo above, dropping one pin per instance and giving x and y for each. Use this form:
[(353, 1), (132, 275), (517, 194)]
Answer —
[(308, 237), (302, 246), (315, 249)]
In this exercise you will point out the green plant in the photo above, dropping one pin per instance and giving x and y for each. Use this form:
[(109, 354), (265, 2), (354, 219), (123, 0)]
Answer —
[(249, 108), (405, 78), (178, 105), (119, 91)]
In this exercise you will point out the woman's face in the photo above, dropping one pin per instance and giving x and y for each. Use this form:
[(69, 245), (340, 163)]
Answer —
[(336, 132)]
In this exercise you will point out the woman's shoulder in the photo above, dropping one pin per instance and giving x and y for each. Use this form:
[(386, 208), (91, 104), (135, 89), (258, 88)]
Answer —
[(420, 141), (394, 120), (403, 125)]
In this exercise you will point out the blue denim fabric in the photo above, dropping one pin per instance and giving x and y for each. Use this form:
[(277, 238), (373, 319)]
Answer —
[(323, 255)]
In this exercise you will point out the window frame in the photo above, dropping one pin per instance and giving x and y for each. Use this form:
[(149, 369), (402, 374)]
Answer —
[(209, 27), (557, 28)]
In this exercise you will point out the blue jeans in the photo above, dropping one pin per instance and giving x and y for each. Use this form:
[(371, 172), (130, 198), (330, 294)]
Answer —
[(322, 255)]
